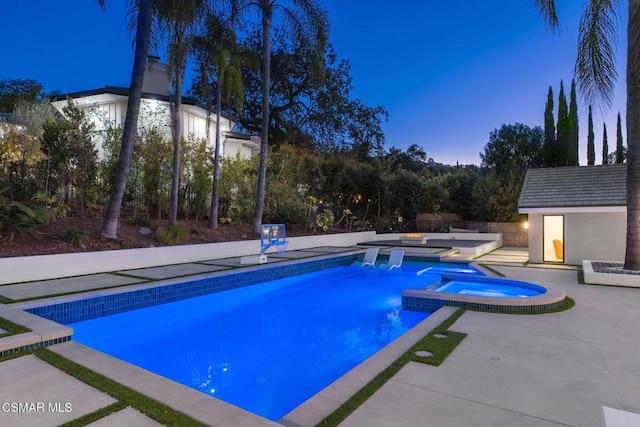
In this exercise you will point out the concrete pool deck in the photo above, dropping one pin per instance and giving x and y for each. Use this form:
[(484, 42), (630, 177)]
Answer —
[(530, 370)]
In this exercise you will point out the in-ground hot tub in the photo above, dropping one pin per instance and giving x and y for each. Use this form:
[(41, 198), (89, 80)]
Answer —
[(482, 293), (487, 287)]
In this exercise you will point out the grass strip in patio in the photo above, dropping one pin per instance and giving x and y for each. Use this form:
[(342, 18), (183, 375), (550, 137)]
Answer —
[(11, 328), (96, 415), (158, 411), (5, 300), (440, 342)]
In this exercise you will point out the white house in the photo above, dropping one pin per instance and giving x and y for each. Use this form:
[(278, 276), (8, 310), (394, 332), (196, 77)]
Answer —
[(575, 213), (110, 103)]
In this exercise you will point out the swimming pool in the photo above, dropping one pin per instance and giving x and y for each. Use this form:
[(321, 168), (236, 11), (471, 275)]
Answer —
[(265, 348)]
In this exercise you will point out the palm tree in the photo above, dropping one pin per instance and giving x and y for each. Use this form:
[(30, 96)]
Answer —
[(307, 21), (177, 21), (143, 34), (218, 53), (596, 74)]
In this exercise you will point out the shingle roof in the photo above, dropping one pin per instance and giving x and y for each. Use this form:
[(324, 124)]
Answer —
[(124, 91), (574, 186)]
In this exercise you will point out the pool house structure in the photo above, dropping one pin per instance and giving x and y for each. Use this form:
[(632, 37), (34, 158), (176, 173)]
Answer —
[(575, 213)]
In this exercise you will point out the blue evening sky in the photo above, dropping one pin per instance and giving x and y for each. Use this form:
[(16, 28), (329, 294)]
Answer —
[(448, 72)]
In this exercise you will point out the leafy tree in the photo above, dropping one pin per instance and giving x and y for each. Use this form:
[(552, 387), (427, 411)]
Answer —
[(237, 189), (549, 146), (308, 21), (620, 154), (413, 159), (142, 27), (513, 146), (197, 171), (407, 189), (460, 184), (32, 115), (20, 147), (511, 150), (591, 149), (152, 170), (71, 158), (495, 196), (605, 145), (596, 74), (217, 53), (13, 91), (177, 21), (572, 149)]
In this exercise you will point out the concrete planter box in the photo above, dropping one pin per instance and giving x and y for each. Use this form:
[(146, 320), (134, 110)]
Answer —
[(612, 279)]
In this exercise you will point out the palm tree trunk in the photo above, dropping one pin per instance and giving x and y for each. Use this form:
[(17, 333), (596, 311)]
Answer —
[(177, 136), (264, 129), (143, 30), (215, 198), (632, 256)]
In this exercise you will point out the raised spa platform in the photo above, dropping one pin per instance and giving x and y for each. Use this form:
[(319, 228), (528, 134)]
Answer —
[(523, 298)]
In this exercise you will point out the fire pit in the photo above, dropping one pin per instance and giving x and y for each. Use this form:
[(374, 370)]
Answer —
[(413, 238)]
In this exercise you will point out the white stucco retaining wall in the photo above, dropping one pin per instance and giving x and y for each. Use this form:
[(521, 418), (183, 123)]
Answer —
[(41, 267)]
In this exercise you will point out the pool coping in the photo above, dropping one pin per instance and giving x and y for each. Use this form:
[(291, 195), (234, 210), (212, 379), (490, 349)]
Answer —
[(44, 332)]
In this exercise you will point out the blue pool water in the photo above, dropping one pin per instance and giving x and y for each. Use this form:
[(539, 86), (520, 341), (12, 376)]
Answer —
[(265, 348), (490, 288)]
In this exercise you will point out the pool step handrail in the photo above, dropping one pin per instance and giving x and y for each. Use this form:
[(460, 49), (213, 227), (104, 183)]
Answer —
[(273, 235), (395, 260), (370, 257)]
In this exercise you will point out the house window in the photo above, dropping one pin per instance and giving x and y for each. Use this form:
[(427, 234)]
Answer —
[(553, 238)]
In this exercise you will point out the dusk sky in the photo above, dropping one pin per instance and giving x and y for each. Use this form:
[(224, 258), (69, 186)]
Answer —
[(449, 73)]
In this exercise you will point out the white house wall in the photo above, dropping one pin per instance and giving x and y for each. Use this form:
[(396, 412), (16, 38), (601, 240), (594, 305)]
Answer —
[(231, 148), (193, 124), (587, 235)]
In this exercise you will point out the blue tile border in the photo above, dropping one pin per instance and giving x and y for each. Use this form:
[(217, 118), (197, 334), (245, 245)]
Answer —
[(105, 305), (429, 305), (34, 346)]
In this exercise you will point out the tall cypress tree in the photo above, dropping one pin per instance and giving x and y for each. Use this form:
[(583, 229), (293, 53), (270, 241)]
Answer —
[(605, 146), (619, 145), (572, 148), (591, 148), (563, 131), (549, 131)]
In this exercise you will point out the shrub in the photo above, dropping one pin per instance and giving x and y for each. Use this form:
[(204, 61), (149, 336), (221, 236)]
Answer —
[(139, 220), (172, 235), (290, 215), (226, 220), (17, 217), (74, 235), (324, 220)]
